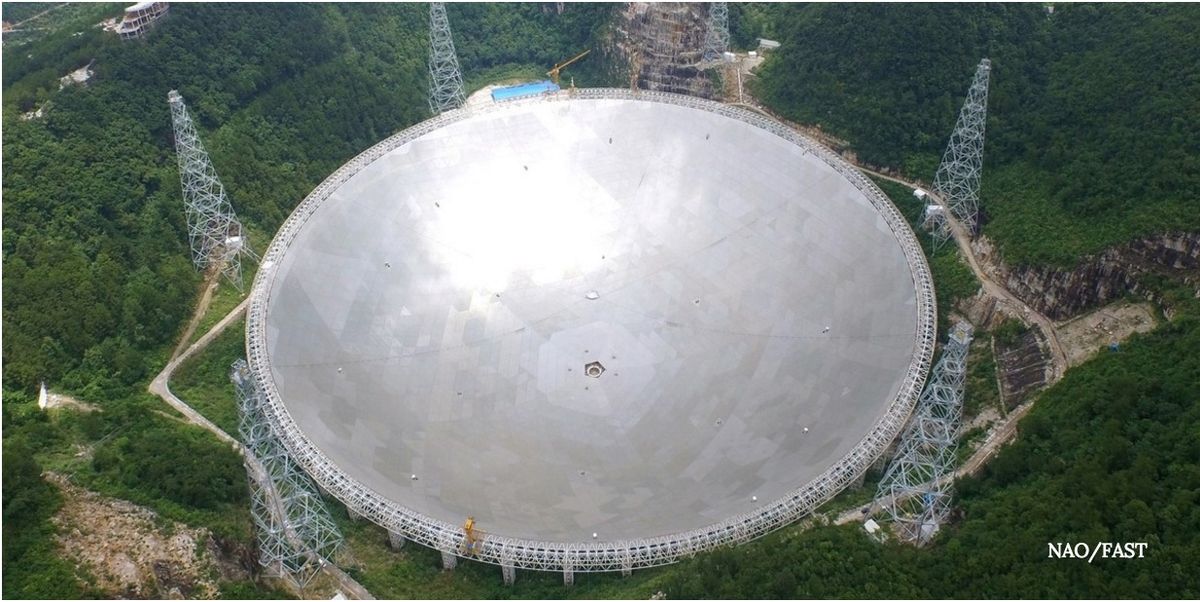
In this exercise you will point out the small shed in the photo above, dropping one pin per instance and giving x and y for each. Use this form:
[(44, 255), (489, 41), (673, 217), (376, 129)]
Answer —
[(524, 90), (871, 527), (766, 44)]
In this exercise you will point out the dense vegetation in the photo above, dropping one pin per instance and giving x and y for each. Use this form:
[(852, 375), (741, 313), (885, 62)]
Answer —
[(15, 12), (491, 38), (29, 502), (1110, 453), (1093, 136), (131, 450), (98, 282), (94, 240), (97, 278)]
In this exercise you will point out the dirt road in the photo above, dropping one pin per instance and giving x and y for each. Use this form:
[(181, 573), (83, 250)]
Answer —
[(1028, 315), (1001, 434), (1003, 431), (201, 309), (161, 386)]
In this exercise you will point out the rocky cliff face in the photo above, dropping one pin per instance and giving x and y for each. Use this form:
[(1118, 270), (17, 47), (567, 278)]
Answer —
[(1024, 367), (1063, 293), (663, 43)]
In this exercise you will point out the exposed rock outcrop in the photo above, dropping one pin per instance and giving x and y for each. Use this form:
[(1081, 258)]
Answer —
[(1063, 293), (134, 553)]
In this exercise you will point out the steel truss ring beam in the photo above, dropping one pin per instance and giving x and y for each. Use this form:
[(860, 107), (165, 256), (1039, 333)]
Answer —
[(609, 555)]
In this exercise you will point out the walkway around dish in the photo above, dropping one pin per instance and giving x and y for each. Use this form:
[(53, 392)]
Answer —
[(1000, 434)]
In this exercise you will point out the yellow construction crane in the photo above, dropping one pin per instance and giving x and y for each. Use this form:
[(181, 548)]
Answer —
[(473, 542), (553, 72)]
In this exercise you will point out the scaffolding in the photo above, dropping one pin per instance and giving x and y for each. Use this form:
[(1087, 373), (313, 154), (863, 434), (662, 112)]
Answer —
[(665, 42), (296, 534), (716, 38), (916, 489), (957, 178), (216, 236), (446, 83)]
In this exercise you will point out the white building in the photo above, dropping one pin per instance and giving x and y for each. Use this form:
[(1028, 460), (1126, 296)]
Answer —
[(871, 526), (933, 211), (140, 17)]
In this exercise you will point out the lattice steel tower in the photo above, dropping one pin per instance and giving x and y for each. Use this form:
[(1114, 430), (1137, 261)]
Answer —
[(296, 534), (216, 235), (915, 490), (957, 179), (716, 38), (446, 83)]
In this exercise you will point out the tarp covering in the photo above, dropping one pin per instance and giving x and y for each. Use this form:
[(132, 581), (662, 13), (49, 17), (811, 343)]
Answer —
[(523, 90)]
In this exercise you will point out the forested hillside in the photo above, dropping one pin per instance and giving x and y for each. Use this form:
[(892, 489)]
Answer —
[(1093, 139), (1109, 454), (97, 277), (528, 38), (1093, 130), (97, 270), (1092, 133)]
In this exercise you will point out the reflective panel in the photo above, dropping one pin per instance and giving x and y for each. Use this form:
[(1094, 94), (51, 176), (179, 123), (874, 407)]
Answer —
[(593, 316)]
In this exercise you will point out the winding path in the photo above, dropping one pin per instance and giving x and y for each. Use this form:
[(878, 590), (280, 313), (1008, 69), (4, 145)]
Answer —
[(1005, 430), (161, 386), (201, 309), (994, 289), (1000, 434), (1027, 315)]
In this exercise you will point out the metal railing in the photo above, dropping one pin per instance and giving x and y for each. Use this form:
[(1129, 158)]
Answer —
[(628, 554)]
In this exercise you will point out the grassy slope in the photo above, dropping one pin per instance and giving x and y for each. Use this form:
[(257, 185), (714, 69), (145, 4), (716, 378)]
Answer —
[(203, 380)]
